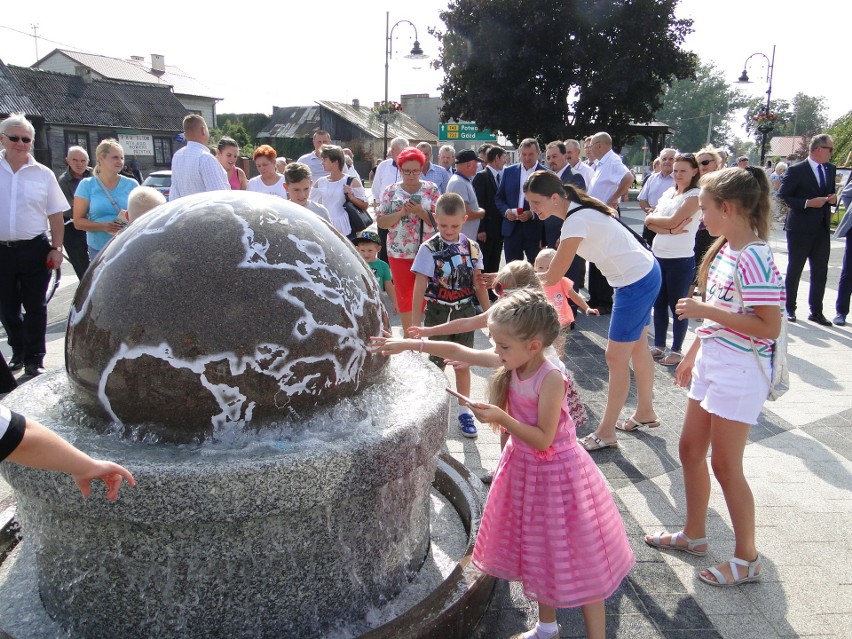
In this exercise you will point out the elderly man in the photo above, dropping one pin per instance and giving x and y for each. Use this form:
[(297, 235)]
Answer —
[(808, 188), (30, 201), (611, 182), (467, 164), (574, 150), (194, 168), (654, 187), (349, 169), (77, 160), (446, 157), (432, 172), (313, 159), (521, 228)]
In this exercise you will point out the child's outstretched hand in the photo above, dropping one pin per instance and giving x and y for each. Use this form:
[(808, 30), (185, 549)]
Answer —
[(387, 345), (457, 365), (487, 278), (593, 311), (487, 413), (418, 332), (110, 473)]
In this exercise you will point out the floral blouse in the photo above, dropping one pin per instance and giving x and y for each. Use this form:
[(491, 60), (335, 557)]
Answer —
[(405, 237)]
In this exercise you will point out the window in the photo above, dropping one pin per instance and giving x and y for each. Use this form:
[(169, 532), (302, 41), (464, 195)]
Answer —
[(162, 151), (77, 138)]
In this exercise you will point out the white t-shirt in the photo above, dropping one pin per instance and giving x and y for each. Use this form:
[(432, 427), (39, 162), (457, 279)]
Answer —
[(682, 244), (617, 254), (256, 184)]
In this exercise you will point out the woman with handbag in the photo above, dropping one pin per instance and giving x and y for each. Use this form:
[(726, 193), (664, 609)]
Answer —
[(334, 190), (407, 211), (728, 367), (100, 202)]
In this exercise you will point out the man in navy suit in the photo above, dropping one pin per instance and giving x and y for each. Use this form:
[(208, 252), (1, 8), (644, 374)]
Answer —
[(556, 158), (522, 230), (808, 189), (490, 234)]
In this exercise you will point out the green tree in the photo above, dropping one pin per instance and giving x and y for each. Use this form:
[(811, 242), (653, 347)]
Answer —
[(691, 106), (253, 123), (841, 131), (757, 106), (808, 117), (537, 68)]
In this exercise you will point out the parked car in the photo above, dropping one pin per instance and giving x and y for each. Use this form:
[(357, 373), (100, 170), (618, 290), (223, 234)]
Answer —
[(160, 180)]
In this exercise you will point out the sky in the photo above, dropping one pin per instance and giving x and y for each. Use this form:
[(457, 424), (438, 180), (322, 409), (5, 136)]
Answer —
[(253, 57)]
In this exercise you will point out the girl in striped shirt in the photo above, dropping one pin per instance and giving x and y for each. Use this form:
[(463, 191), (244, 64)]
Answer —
[(726, 387)]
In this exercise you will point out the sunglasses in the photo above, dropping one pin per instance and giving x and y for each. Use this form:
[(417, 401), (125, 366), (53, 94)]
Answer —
[(500, 290), (19, 138), (705, 162)]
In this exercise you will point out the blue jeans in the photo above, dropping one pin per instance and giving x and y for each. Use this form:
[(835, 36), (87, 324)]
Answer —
[(678, 273), (844, 288)]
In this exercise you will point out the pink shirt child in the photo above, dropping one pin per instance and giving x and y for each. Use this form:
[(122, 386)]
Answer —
[(558, 296)]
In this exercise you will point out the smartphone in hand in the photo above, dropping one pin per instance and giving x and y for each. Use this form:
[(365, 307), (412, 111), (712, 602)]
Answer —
[(463, 398)]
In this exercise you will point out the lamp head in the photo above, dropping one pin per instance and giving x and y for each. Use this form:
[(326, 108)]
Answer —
[(416, 52), (743, 78)]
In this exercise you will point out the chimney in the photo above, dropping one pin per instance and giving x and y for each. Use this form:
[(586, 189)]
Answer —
[(356, 103), (158, 64), (84, 72)]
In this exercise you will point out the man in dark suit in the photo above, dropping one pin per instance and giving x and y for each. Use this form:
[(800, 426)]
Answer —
[(485, 185), (808, 189), (556, 158), (522, 230)]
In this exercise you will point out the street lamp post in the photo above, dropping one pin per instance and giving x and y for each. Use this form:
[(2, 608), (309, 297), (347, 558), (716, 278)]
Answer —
[(416, 54), (743, 79)]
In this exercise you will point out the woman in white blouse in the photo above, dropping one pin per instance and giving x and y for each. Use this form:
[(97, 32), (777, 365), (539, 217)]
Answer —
[(269, 181), (675, 221), (332, 190)]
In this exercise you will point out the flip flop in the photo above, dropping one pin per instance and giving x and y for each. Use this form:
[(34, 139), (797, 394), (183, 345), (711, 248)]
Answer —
[(637, 425), (593, 442)]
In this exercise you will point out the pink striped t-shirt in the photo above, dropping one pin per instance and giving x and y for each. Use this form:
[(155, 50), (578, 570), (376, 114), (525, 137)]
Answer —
[(762, 285)]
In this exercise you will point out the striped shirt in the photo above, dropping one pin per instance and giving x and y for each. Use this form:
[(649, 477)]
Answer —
[(762, 285)]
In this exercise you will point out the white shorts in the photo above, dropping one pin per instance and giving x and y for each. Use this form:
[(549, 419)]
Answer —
[(729, 383)]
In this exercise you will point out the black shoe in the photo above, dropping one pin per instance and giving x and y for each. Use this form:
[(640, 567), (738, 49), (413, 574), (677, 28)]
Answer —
[(34, 370), (819, 318), (791, 317), (16, 363)]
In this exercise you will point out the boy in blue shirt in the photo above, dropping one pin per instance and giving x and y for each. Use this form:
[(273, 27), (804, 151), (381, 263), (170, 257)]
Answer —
[(445, 268)]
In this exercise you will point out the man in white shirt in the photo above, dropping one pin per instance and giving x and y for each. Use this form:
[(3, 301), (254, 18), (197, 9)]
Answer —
[(654, 187), (194, 168), (313, 159), (578, 166), (30, 201), (446, 157), (612, 181)]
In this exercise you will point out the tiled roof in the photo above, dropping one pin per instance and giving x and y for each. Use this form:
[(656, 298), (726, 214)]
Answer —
[(402, 126), (786, 145), (12, 99), (292, 122), (68, 99), (137, 71)]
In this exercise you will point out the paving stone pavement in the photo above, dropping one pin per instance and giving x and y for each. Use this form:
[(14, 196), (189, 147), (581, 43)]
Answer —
[(799, 464)]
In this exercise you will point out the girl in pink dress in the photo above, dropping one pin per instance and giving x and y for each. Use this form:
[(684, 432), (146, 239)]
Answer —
[(549, 521)]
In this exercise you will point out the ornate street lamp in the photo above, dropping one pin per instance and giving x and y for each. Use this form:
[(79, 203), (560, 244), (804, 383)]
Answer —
[(766, 123), (416, 54)]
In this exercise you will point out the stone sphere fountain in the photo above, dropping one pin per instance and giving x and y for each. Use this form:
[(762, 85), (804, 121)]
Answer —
[(217, 348)]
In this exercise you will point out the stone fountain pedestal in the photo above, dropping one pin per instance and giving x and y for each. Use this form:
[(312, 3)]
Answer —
[(262, 540)]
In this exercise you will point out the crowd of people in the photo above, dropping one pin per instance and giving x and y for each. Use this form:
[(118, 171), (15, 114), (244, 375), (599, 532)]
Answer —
[(443, 230)]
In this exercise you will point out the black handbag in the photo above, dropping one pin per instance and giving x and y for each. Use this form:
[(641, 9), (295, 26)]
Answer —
[(358, 219)]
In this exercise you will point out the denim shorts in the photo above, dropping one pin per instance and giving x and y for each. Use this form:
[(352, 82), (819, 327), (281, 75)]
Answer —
[(631, 309), (728, 383)]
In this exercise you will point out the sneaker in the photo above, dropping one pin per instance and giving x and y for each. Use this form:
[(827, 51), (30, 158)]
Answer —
[(840, 320), (466, 425)]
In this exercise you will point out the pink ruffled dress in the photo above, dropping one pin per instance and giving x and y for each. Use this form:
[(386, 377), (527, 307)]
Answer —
[(550, 521)]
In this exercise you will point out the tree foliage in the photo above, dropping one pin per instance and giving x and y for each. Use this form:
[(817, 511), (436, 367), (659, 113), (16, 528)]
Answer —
[(691, 105), (537, 68), (805, 116), (841, 131)]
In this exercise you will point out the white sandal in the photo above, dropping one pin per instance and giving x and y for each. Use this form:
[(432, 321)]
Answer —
[(656, 542), (722, 581)]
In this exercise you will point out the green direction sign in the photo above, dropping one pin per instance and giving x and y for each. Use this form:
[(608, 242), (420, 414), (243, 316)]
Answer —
[(465, 131)]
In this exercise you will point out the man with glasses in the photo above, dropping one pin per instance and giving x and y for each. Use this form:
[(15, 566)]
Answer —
[(654, 187), (30, 201), (808, 189)]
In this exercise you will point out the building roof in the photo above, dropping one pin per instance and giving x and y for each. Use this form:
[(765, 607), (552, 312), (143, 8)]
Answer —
[(69, 99), (136, 71), (12, 98), (292, 122), (786, 145), (402, 126)]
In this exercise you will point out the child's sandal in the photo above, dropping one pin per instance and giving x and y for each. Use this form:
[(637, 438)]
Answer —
[(751, 573), (655, 540)]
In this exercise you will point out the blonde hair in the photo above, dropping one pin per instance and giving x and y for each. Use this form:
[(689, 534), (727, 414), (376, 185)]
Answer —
[(103, 149), (545, 254), (141, 200), (749, 188), (526, 314), (518, 274)]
